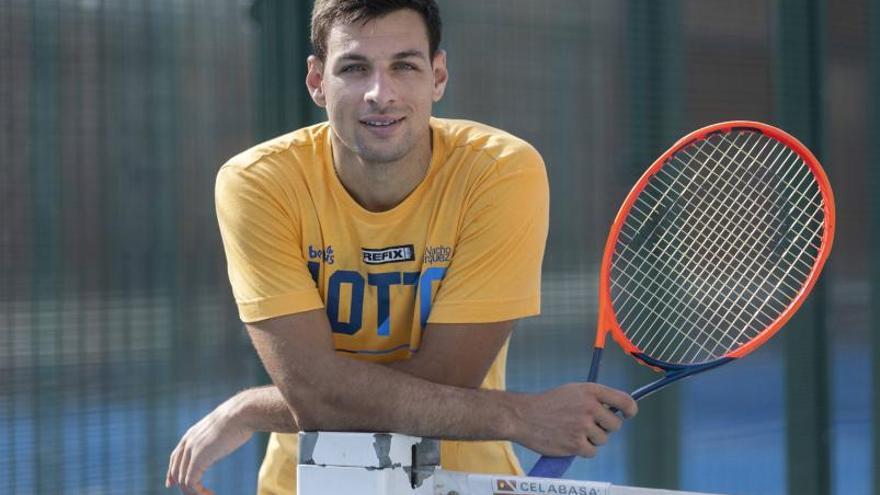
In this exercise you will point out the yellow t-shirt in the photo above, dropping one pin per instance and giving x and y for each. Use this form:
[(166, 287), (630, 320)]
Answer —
[(464, 247)]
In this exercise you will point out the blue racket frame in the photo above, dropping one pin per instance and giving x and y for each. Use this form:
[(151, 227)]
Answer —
[(555, 467)]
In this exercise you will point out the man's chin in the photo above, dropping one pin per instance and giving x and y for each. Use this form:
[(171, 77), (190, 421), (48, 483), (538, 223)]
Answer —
[(381, 154)]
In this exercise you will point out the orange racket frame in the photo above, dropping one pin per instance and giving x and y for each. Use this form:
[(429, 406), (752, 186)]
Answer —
[(555, 467), (608, 318)]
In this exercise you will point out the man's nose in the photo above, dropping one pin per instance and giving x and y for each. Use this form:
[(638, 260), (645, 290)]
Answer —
[(381, 90)]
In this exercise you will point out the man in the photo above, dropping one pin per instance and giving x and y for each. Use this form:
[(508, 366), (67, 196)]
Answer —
[(380, 260)]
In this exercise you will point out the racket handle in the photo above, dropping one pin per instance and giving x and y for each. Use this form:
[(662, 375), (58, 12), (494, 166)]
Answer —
[(551, 467), (554, 467), (593, 375)]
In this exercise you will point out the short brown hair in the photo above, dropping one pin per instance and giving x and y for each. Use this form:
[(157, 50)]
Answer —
[(326, 13)]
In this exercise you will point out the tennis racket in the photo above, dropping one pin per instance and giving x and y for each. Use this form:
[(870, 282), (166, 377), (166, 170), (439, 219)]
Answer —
[(714, 249)]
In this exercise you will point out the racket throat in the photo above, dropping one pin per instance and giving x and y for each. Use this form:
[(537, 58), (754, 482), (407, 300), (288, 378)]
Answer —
[(674, 373)]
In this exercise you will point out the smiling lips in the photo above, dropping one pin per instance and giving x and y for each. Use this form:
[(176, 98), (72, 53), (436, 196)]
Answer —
[(380, 121), (382, 125)]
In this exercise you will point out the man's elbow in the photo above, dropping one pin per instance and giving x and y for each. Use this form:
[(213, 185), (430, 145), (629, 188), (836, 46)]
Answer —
[(306, 421), (308, 414), (319, 406), (305, 406)]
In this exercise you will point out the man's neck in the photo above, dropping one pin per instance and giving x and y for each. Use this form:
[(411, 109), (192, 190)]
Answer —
[(381, 186)]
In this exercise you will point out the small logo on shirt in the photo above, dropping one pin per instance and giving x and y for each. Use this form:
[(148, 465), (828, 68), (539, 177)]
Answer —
[(437, 254), (322, 254), (395, 254)]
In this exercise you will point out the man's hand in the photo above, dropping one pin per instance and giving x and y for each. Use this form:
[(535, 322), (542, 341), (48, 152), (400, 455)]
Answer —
[(573, 419), (215, 436)]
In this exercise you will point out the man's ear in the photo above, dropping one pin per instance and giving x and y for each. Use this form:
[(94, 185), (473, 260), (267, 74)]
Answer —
[(315, 80), (441, 74)]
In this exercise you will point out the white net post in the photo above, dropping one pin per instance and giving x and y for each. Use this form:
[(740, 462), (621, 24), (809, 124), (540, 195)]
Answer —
[(394, 464), (366, 464)]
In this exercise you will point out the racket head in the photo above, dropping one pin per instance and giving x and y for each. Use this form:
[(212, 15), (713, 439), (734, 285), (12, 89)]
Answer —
[(742, 137)]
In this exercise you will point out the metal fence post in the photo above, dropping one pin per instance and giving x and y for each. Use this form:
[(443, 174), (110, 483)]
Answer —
[(654, 57), (799, 109)]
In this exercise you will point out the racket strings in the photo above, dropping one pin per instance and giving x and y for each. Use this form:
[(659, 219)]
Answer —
[(711, 223), (726, 254), (716, 247), (697, 210), (691, 219), (780, 281), (704, 304)]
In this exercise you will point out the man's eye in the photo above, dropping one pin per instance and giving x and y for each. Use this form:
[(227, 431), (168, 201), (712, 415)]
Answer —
[(354, 68), (405, 66)]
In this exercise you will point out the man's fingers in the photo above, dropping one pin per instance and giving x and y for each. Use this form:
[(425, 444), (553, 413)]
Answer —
[(576, 418), (193, 477), (171, 475), (168, 479), (212, 438), (587, 449), (597, 436), (608, 420), (192, 483), (621, 401), (182, 466)]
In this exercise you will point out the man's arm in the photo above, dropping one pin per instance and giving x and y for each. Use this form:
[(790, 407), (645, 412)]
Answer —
[(441, 359), (331, 392), (408, 396)]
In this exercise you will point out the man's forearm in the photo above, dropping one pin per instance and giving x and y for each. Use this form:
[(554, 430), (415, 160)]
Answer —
[(264, 408), (354, 395)]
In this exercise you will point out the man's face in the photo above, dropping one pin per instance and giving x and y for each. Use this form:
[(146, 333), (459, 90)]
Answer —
[(378, 84)]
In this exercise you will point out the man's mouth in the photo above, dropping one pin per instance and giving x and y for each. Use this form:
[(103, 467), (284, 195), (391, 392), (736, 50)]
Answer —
[(385, 122)]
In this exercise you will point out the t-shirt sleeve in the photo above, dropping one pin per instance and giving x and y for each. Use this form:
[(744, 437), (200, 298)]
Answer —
[(495, 271), (261, 238)]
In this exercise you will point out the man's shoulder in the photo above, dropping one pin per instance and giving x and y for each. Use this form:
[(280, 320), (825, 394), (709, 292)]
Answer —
[(496, 144), (276, 166), (285, 149)]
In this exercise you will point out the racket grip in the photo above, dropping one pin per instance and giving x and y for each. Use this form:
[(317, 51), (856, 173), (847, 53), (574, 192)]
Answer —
[(593, 375), (551, 467), (554, 467)]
